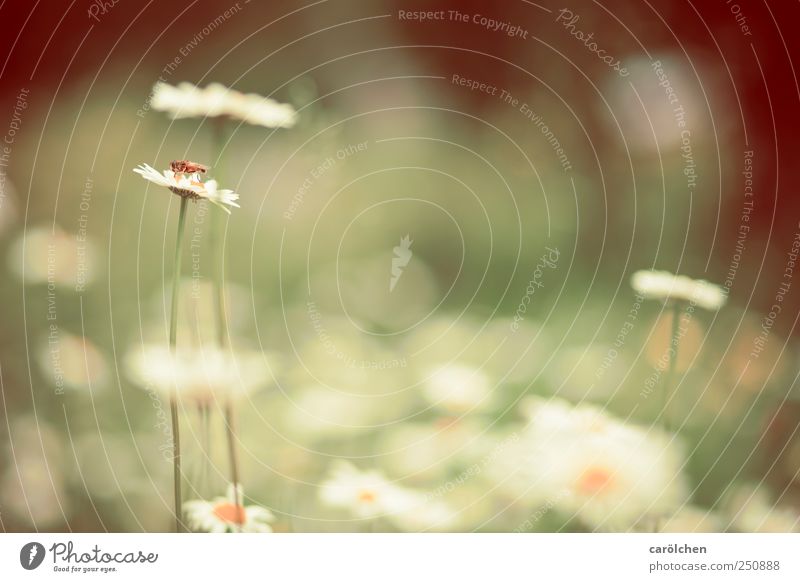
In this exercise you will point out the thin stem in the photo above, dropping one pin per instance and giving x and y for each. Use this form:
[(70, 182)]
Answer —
[(216, 242), (674, 342), (223, 339), (205, 432), (173, 336), (677, 308), (219, 276), (232, 453)]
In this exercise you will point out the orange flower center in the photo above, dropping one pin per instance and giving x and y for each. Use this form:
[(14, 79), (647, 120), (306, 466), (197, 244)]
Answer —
[(594, 480), (367, 496), (230, 513)]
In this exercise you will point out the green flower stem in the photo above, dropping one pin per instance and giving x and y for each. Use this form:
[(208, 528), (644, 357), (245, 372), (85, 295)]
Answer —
[(231, 431), (677, 311), (173, 336), (217, 226), (674, 339), (217, 246), (205, 435)]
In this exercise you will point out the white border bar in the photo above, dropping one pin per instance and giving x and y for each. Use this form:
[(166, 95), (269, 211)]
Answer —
[(411, 557)]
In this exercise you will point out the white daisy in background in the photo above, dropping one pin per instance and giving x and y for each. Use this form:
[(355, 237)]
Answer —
[(370, 495), (588, 465), (186, 100), (222, 515), (49, 254), (664, 285), (180, 101), (458, 388), (257, 110), (202, 375), (216, 100), (554, 416), (189, 186), (750, 510), (73, 362), (365, 494)]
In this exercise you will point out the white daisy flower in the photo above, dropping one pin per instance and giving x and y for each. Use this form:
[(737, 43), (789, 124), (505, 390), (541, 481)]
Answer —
[(458, 388), (664, 285), (370, 495), (257, 110), (189, 186), (204, 375), (366, 494), (222, 515), (181, 101), (220, 197), (553, 416), (216, 100), (587, 464)]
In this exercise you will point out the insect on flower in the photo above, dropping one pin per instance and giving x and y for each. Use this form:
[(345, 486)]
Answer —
[(189, 186), (187, 167)]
